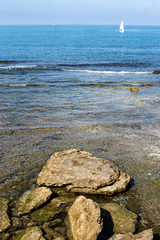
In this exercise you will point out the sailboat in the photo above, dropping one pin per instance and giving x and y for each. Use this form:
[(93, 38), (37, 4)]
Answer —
[(121, 29)]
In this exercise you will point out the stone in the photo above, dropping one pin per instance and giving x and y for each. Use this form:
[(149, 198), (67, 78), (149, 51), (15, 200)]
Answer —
[(145, 235), (33, 233), (32, 199), (79, 171), (4, 218), (4, 236), (124, 221), (134, 89), (84, 220)]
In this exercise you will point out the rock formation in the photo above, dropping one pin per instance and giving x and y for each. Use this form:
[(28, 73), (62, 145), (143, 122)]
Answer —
[(79, 171)]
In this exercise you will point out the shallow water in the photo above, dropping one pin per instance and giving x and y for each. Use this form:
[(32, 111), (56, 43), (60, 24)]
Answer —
[(69, 87)]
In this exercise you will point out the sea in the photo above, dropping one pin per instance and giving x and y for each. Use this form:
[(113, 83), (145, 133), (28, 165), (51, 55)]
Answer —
[(82, 86)]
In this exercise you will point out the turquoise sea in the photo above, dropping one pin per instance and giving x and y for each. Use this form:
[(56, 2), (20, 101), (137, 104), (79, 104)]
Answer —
[(69, 86)]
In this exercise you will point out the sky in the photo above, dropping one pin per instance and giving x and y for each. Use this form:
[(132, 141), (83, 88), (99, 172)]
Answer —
[(108, 12)]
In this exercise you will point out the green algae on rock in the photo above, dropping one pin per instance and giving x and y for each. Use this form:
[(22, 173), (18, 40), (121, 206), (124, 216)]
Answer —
[(32, 199), (124, 221), (46, 213)]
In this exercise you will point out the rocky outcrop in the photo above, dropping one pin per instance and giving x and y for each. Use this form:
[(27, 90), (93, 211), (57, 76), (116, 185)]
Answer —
[(84, 220), (124, 221), (4, 218), (145, 235), (79, 171), (32, 199)]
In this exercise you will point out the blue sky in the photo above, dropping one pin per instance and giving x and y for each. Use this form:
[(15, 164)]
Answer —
[(133, 12)]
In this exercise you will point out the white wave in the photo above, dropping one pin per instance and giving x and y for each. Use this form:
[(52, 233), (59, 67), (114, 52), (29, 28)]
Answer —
[(11, 67), (13, 85), (105, 72)]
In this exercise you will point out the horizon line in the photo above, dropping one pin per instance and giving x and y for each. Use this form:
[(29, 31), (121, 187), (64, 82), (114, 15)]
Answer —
[(75, 24)]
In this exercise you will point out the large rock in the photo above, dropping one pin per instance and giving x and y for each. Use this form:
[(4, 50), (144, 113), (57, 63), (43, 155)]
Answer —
[(4, 219), (32, 199), (84, 220), (79, 171), (145, 235), (124, 221)]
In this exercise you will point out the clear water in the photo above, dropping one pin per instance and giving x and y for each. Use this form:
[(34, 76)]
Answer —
[(69, 86)]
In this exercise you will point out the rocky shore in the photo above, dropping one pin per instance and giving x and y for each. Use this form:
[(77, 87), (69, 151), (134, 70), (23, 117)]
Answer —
[(60, 209)]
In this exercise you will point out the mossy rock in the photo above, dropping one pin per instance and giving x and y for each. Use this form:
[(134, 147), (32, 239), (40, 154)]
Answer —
[(119, 218), (46, 213), (32, 199)]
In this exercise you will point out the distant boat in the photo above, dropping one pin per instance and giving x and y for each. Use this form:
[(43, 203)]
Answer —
[(121, 29)]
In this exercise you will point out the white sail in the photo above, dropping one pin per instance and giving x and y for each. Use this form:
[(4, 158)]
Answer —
[(121, 29)]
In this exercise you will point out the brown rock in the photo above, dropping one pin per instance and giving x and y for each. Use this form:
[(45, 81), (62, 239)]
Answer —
[(84, 220), (79, 171), (4, 219)]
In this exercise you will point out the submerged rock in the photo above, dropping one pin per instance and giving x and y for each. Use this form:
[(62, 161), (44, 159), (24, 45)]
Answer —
[(134, 89), (145, 235), (124, 221), (32, 199), (45, 213), (4, 218), (79, 171), (84, 220)]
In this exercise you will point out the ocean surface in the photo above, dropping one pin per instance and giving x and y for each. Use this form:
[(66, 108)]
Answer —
[(69, 86)]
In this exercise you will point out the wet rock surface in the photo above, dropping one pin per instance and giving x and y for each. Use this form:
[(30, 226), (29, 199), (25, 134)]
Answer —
[(4, 218), (79, 171)]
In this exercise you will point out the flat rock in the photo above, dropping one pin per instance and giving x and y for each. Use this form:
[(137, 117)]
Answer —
[(124, 221), (145, 235), (84, 220), (4, 218), (79, 171), (32, 199)]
